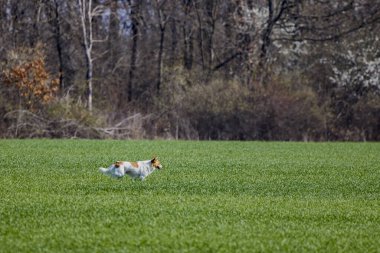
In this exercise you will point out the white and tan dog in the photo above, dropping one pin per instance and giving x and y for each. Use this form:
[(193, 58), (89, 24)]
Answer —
[(136, 170)]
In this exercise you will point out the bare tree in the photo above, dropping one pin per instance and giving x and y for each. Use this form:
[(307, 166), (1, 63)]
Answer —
[(276, 11), (86, 14), (134, 9), (58, 41), (187, 30), (163, 19)]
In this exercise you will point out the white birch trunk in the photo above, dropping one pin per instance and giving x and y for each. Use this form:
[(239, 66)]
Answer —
[(85, 8)]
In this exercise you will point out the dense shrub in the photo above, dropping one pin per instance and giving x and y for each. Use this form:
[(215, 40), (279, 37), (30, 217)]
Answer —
[(227, 110), (29, 102), (186, 107)]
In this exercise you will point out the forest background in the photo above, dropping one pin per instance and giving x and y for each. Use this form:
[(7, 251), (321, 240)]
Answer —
[(190, 69)]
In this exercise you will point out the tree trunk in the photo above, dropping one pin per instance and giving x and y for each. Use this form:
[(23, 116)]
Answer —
[(174, 42), (86, 22), (209, 33), (160, 58), (58, 44), (266, 37), (162, 25), (187, 38), (135, 32), (89, 77), (200, 36)]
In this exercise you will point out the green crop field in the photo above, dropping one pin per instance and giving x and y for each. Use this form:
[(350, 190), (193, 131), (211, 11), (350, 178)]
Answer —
[(210, 197)]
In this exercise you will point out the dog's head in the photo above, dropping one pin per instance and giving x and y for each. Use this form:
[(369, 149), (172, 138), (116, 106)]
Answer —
[(117, 164), (156, 163)]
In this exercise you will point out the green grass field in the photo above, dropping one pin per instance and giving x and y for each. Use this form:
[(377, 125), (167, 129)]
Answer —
[(210, 197)]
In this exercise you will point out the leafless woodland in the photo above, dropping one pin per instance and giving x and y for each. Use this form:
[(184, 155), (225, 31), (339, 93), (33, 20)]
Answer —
[(190, 69)]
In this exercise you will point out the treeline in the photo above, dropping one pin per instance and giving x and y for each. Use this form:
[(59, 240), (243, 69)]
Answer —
[(190, 69)]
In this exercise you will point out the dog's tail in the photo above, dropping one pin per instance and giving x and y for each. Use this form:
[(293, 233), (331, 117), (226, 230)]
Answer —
[(104, 170)]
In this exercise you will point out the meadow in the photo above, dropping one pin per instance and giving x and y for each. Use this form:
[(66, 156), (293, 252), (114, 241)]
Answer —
[(210, 197)]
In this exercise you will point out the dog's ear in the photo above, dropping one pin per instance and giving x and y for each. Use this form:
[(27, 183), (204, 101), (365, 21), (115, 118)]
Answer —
[(154, 159)]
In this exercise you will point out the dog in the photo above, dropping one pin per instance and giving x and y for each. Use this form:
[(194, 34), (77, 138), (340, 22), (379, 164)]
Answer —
[(136, 170)]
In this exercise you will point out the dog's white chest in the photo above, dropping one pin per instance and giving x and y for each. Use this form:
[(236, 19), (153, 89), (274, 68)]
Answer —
[(142, 171)]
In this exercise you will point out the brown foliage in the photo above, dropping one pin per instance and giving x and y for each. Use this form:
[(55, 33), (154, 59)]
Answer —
[(32, 82)]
